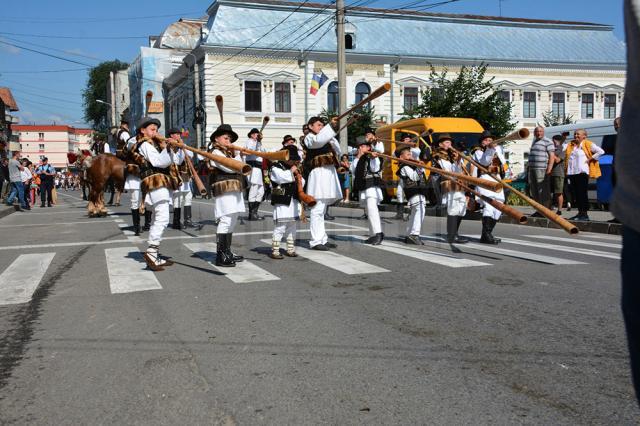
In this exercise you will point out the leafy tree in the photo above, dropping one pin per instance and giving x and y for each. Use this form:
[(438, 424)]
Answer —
[(550, 119), (366, 118), (468, 95), (97, 88)]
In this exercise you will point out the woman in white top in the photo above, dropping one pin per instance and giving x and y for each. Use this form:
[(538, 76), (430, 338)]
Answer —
[(579, 153)]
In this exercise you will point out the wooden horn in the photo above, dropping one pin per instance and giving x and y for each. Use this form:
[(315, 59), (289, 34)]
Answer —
[(375, 94), (508, 210), (518, 134), (265, 121), (220, 105), (236, 165), (279, 155)]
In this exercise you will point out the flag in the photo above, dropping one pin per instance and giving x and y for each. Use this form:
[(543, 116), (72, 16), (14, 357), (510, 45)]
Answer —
[(317, 82)]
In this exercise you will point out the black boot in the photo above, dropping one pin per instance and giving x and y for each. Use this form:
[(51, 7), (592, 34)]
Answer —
[(399, 212), (147, 220), (235, 257), (487, 226), (452, 224), (176, 218), (376, 240), (135, 217), (187, 217), (256, 207), (222, 258), (252, 213), (327, 216), (493, 223), (459, 239)]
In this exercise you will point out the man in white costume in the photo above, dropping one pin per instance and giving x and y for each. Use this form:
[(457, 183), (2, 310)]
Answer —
[(414, 182), (183, 196), (256, 180)]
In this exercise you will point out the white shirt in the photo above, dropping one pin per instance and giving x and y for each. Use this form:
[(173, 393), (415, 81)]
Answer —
[(578, 162), (255, 146), (25, 174)]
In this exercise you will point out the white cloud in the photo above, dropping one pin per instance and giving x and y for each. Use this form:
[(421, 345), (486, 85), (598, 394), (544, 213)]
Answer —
[(8, 49)]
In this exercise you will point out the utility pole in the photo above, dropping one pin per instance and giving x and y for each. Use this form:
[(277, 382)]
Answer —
[(196, 87), (113, 98), (342, 72)]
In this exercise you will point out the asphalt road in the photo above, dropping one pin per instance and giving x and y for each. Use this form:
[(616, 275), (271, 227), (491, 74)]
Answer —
[(530, 333)]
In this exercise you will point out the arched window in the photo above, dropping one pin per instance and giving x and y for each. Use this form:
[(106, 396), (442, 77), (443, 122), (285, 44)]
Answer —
[(362, 91), (332, 97), (349, 42)]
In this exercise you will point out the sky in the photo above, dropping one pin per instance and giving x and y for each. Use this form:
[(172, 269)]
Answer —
[(81, 34)]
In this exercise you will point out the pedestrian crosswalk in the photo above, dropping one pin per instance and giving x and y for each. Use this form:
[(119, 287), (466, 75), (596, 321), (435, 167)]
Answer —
[(127, 273)]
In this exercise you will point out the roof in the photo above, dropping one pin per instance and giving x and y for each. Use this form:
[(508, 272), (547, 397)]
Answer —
[(48, 128), (182, 34), (7, 98), (413, 34)]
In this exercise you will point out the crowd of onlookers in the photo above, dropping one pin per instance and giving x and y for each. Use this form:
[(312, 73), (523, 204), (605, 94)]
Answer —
[(22, 182)]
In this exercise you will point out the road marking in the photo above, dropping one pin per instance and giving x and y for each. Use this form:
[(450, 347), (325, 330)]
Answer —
[(508, 252), (557, 247), (243, 272), (609, 237), (575, 240), (56, 223), (19, 281), (127, 271), (74, 244), (424, 255), (336, 261), (69, 213)]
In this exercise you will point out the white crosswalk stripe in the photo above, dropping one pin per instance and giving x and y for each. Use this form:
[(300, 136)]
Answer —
[(243, 272), (336, 261), (575, 240), (21, 279), (424, 255), (550, 260), (128, 272)]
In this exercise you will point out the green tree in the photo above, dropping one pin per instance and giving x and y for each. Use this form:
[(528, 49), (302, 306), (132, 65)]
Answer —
[(366, 118), (468, 95), (97, 87), (550, 119)]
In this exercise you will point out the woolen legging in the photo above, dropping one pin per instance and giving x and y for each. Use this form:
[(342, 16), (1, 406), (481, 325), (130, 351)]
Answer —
[(159, 222), (227, 223), (579, 185)]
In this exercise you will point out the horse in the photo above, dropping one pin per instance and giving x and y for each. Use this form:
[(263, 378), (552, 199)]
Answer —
[(82, 161), (104, 167)]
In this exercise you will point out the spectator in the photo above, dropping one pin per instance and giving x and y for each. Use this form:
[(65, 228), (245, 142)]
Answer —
[(47, 173), (557, 173), (17, 189), (345, 177), (26, 181), (581, 153), (541, 161), (5, 183), (35, 184)]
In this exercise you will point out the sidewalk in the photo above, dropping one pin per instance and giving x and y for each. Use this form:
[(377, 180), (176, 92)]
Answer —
[(6, 210)]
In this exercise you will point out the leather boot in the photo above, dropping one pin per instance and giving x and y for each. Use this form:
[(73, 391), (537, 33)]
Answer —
[(377, 239), (252, 212), (187, 217), (222, 259), (135, 218), (235, 257), (255, 211), (459, 239), (487, 237), (327, 216), (399, 212), (147, 220), (452, 224), (176, 218), (492, 224)]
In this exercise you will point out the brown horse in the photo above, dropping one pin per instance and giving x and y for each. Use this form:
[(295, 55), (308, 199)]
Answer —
[(102, 168)]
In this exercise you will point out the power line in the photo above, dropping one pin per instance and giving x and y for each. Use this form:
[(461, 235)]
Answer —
[(44, 53), (93, 58), (80, 20), (43, 71), (46, 97)]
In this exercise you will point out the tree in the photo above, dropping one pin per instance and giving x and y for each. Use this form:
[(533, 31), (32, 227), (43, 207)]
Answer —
[(97, 87), (550, 119), (469, 95), (366, 116)]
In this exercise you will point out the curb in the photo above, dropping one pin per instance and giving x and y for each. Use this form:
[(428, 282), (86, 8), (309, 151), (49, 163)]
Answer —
[(6, 211)]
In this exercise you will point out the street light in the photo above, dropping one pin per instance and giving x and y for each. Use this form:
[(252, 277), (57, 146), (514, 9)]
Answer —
[(100, 101)]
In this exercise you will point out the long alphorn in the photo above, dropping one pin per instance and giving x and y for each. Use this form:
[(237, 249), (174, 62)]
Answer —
[(484, 183), (271, 156), (549, 214), (220, 105), (230, 163), (375, 94), (194, 174), (265, 121), (508, 210)]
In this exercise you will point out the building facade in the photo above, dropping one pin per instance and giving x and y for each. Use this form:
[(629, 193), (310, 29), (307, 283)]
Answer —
[(265, 68), (8, 105), (52, 141)]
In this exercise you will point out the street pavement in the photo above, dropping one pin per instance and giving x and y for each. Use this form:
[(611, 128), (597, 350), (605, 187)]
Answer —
[(526, 332)]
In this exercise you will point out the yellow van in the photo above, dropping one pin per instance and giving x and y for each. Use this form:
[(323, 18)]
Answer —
[(464, 131)]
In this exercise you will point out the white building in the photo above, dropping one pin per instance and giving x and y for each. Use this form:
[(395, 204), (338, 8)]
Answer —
[(261, 56), (52, 141)]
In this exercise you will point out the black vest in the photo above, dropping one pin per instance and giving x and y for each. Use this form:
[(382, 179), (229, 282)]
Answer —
[(365, 178), (283, 193), (411, 187)]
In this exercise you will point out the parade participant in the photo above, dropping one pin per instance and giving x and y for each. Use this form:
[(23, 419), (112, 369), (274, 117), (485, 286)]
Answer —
[(122, 136), (492, 157), (414, 183), (256, 180), (406, 139), (132, 183), (47, 175), (322, 153), (452, 195), (182, 197), (366, 169), (285, 201), (100, 146), (154, 161), (228, 186)]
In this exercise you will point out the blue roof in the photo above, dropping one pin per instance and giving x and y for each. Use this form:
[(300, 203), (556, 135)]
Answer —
[(254, 24)]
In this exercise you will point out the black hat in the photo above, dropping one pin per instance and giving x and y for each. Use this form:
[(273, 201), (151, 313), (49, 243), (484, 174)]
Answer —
[(288, 138), (146, 121), (369, 130), (224, 129), (173, 130), (252, 131), (45, 159), (444, 137), (484, 135), (400, 150), (124, 121), (293, 152), (406, 135), (361, 140)]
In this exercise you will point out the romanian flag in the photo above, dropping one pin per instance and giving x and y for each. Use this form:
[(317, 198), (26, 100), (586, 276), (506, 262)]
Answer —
[(317, 82)]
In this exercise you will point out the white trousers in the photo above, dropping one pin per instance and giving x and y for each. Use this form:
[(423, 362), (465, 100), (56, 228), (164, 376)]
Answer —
[(227, 223), (489, 210), (375, 227), (316, 222), (182, 199), (416, 217), (135, 199), (284, 229), (456, 203), (159, 222), (256, 193)]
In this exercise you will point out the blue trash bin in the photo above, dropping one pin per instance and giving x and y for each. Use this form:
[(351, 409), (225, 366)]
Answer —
[(604, 184)]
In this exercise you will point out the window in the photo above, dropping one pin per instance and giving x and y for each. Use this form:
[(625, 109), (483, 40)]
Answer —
[(362, 91), (610, 106), (557, 104), (252, 96), (332, 97), (529, 105), (410, 98), (40, 136), (349, 41), (41, 147), (587, 105), (283, 97), (505, 96)]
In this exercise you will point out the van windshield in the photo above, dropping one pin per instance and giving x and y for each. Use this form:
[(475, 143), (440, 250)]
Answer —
[(461, 141)]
